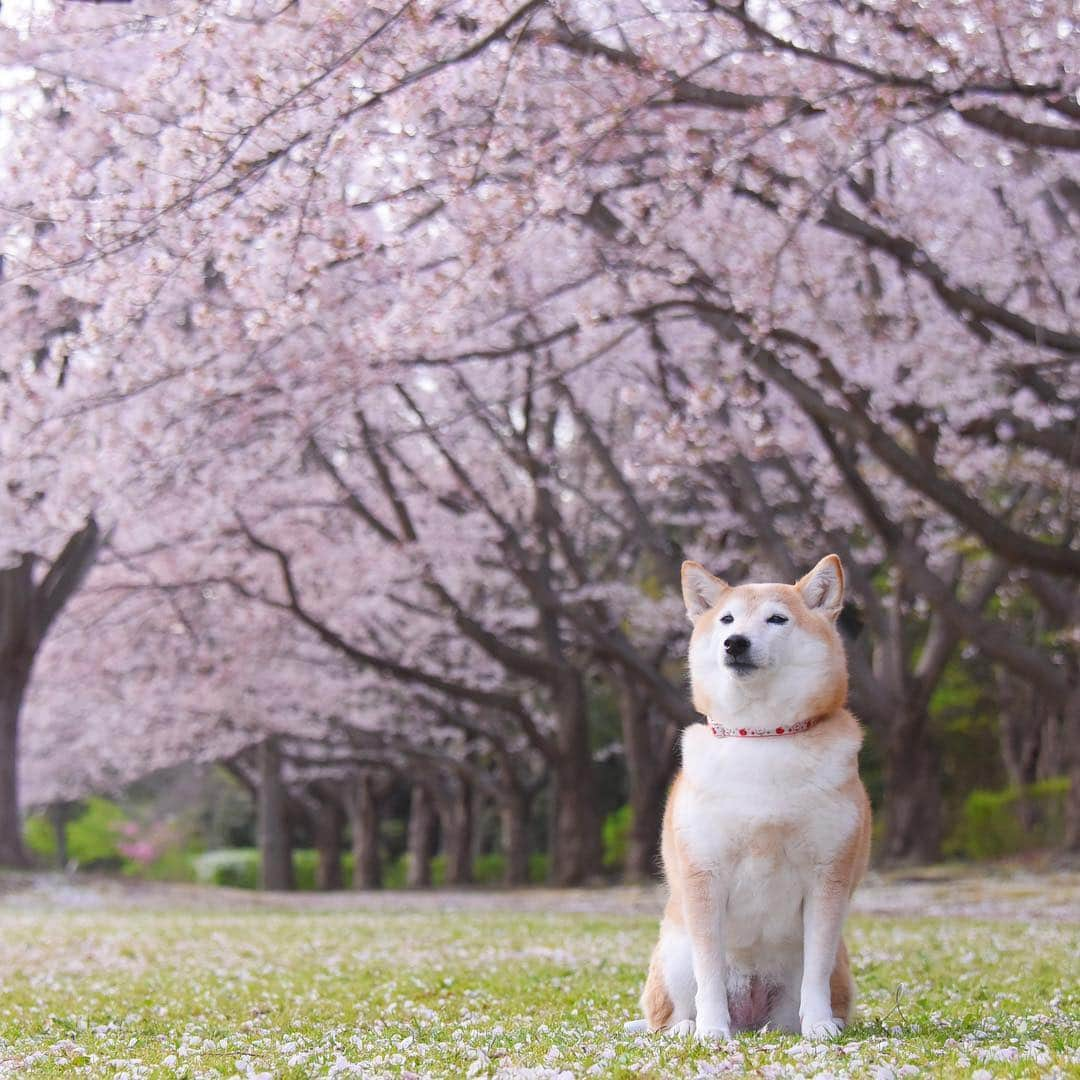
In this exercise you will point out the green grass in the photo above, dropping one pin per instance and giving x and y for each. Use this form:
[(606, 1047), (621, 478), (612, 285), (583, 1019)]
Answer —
[(325, 993)]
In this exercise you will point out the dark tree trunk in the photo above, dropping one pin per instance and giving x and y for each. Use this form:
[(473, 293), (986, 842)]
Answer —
[(1022, 725), (478, 814), (275, 841), (576, 846), (514, 838), (421, 838), (912, 792), (648, 770), (576, 840), (363, 812), (456, 829), (27, 611), (14, 675), (61, 814), (646, 818), (329, 832), (1071, 732)]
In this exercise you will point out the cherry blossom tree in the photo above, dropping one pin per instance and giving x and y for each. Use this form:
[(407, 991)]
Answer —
[(438, 334)]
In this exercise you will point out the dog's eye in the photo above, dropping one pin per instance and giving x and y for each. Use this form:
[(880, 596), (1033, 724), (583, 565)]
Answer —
[(777, 620), (727, 618)]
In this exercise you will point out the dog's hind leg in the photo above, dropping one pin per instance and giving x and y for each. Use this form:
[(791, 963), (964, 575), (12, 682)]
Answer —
[(665, 1003), (668, 998), (655, 1002)]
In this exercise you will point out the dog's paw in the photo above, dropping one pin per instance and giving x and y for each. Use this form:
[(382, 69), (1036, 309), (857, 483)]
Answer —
[(714, 1033), (636, 1027), (822, 1029), (682, 1030)]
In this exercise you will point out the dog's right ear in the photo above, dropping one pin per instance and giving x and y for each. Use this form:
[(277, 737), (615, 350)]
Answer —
[(700, 589)]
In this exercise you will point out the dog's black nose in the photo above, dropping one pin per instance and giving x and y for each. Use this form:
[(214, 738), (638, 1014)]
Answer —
[(737, 644)]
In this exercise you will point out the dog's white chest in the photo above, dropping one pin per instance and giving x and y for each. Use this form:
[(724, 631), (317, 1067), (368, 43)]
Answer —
[(764, 818)]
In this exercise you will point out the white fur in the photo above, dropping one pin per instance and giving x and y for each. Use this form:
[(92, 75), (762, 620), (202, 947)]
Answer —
[(734, 789)]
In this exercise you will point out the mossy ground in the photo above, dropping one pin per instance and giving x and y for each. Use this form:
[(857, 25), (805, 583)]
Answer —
[(294, 993)]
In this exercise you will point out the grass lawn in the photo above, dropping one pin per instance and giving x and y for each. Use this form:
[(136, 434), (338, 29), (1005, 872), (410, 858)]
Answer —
[(179, 990)]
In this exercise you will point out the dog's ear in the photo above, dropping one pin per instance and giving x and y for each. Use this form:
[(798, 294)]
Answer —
[(700, 589), (823, 588)]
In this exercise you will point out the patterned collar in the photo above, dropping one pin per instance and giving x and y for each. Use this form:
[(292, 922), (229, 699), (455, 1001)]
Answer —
[(722, 732)]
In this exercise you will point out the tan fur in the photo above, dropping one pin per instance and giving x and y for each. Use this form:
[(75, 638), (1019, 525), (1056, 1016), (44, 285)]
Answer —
[(656, 1005)]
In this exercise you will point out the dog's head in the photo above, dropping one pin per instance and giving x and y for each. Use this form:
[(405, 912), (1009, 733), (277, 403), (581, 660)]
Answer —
[(766, 651)]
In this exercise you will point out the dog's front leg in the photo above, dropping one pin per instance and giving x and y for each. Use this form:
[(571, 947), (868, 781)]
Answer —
[(824, 909), (703, 907)]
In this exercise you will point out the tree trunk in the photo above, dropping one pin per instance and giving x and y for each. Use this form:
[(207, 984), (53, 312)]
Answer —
[(1021, 726), (576, 846), (478, 813), (912, 792), (27, 611), (329, 831), (275, 842), (455, 819), (363, 813), (14, 675), (646, 819), (647, 778), (61, 814), (421, 839), (514, 825), (1071, 733), (576, 851)]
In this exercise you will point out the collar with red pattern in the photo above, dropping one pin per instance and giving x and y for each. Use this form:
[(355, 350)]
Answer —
[(722, 732)]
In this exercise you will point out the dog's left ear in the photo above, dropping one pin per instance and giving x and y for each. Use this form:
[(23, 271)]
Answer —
[(823, 588), (700, 589)]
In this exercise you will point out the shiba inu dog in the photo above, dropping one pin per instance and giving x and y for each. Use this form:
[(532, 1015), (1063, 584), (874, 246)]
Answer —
[(767, 826)]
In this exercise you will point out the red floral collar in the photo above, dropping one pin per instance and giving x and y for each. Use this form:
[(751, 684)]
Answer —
[(722, 732)]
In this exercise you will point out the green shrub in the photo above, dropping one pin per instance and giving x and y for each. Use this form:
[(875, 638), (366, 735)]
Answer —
[(93, 837), (489, 869), (990, 824), (304, 862), (173, 864), (438, 870), (238, 868), (394, 872), (616, 837), (539, 868), (39, 836)]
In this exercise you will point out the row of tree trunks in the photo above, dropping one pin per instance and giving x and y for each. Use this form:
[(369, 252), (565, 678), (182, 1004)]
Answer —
[(442, 817)]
